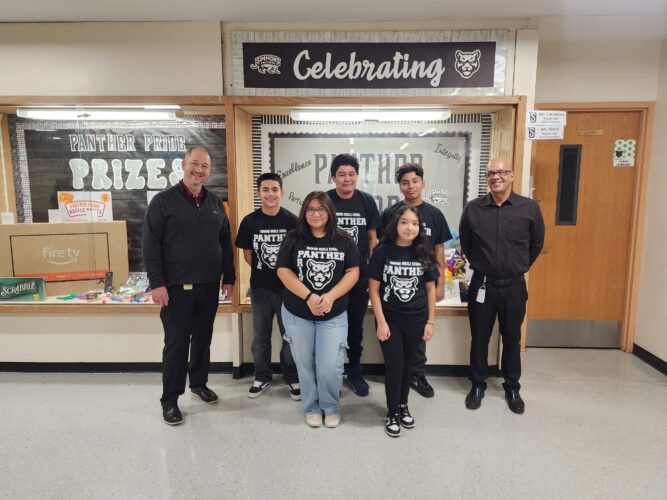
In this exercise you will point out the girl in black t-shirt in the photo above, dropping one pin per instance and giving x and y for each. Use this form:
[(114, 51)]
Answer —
[(318, 263), (402, 272)]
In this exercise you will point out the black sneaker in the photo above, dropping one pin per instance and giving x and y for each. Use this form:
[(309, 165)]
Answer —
[(392, 427), (421, 385), (356, 381), (294, 391), (406, 419), (171, 414), (205, 394), (257, 388)]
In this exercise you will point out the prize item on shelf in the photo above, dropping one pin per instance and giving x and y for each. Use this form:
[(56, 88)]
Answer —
[(31, 289), (456, 265)]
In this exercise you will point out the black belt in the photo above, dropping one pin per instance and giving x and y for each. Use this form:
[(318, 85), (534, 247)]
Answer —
[(498, 282)]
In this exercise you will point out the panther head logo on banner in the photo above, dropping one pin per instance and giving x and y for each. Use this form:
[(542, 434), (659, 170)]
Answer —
[(467, 63)]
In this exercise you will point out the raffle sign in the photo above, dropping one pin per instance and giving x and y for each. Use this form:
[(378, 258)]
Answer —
[(62, 165)]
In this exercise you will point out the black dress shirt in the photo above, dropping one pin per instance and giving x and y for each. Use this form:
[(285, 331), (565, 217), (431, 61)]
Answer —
[(502, 241)]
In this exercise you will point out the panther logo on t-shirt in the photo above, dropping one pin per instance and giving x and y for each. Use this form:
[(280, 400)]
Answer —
[(353, 232), (269, 254), (404, 288), (319, 274)]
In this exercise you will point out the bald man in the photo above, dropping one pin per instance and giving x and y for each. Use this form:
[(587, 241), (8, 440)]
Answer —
[(502, 233)]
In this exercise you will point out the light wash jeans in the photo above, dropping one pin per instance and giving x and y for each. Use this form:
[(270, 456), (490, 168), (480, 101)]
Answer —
[(318, 349)]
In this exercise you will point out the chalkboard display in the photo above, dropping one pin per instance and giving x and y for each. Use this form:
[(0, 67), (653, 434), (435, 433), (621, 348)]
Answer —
[(132, 160)]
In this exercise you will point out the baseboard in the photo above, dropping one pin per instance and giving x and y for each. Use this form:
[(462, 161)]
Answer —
[(97, 367), (245, 370), (650, 359)]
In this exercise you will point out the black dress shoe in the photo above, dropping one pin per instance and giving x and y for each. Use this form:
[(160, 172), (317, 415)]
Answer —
[(205, 394), (171, 414), (421, 385), (514, 401), (474, 398)]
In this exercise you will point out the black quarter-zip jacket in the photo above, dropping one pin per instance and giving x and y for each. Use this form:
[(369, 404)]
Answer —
[(184, 244)]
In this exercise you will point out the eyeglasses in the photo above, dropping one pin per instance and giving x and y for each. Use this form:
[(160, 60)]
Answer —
[(501, 173), (313, 211)]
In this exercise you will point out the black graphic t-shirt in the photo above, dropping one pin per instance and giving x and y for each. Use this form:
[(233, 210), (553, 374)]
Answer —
[(356, 216), (433, 220), (402, 279), (320, 264), (263, 234)]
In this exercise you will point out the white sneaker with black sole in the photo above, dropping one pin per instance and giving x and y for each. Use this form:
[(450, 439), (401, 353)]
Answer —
[(392, 426), (257, 388), (294, 391)]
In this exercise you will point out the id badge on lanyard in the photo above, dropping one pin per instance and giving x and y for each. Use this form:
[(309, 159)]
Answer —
[(481, 293)]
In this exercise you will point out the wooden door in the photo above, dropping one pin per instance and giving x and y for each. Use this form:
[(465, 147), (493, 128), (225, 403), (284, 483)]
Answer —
[(578, 285)]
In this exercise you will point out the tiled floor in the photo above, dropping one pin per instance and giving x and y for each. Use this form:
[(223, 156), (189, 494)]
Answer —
[(595, 427)]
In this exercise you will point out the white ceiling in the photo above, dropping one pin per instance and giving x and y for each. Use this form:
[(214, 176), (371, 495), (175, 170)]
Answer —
[(558, 19)]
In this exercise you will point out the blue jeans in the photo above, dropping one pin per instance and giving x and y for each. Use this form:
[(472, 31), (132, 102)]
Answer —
[(318, 349)]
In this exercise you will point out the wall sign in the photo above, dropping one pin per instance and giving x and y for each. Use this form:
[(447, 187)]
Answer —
[(449, 153), (126, 160), (379, 63)]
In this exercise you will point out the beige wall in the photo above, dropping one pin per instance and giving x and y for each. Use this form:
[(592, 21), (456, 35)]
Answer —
[(99, 338), (651, 333), (111, 59), (597, 71)]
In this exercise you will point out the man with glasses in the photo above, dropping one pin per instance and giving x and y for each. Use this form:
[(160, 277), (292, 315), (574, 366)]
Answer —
[(501, 234)]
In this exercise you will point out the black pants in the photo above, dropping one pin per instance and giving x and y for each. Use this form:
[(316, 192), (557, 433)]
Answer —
[(266, 303), (508, 303), (356, 311), (399, 352), (188, 326)]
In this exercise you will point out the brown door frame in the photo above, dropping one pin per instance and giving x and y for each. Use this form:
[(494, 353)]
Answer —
[(647, 110)]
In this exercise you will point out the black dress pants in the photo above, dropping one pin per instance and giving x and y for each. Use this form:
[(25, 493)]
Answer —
[(188, 326), (508, 304), (399, 351)]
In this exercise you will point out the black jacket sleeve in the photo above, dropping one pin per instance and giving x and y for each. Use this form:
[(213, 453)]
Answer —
[(152, 243), (228, 272), (536, 235)]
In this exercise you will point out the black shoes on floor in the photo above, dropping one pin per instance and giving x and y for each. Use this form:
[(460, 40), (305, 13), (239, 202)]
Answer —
[(421, 385), (171, 414), (205, 394), (474, 398), (514, 401), (512, 396)]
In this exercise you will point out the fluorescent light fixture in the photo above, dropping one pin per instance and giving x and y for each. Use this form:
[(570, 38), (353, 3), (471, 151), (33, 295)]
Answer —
[(370, 114), (109, 113), (426, 132)]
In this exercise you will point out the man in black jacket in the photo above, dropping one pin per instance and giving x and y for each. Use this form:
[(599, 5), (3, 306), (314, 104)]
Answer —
[(187, 250)]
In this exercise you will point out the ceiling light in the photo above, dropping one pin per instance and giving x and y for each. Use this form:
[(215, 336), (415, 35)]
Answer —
[(99, 113), (366, 114)]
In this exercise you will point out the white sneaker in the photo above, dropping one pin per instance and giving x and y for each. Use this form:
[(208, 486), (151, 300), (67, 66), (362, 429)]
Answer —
[(257, 388), (331, 421), (314, 419), (294, 391)]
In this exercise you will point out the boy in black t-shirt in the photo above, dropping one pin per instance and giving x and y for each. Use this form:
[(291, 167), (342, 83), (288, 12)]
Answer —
[(260, 235), (357, 215), (410, 178)]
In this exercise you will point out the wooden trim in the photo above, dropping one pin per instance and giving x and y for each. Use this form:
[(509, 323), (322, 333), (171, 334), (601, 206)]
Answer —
[(6, 173), (87, 309), (230, 127), (647, 109), (628, 326), (445, 100)]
